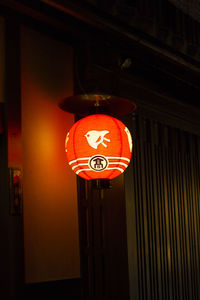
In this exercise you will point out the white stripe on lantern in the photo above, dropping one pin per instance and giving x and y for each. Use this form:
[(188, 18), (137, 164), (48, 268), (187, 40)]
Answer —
[(110, 163), (118, 163), (117, 157), (108, 157), (78, 165), (75, 160), (82, 170)]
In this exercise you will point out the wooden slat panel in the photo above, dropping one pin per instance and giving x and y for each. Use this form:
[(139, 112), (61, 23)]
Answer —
[(166, 187), (166, 175)]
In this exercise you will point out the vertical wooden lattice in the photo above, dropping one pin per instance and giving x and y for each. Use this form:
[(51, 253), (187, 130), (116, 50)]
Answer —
[(104, 263), (167, 200), (92, 241)]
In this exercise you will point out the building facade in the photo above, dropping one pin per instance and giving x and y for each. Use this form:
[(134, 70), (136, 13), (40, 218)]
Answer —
[(60, 236)]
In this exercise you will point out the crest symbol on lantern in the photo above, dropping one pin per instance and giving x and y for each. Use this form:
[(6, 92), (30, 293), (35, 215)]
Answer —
[(96, 137), (98, 163)]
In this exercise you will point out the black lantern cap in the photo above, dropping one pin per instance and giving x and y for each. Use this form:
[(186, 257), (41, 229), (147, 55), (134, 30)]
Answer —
[(97, 103)]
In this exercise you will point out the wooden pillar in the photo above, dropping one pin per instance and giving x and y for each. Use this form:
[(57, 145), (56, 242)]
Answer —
[(104, 263), (12, 215)]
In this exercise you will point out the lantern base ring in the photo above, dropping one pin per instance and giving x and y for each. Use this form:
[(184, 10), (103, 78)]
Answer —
[(101, 183)]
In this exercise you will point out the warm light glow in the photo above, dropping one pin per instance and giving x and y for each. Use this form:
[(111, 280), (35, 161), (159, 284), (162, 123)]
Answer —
[(51, 236), (98, 146)]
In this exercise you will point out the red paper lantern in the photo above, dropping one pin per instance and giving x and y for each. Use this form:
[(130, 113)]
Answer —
[(98, 146)]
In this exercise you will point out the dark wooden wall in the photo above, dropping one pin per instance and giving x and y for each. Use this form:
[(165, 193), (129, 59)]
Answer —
[(161, 198), (166, 186), (104, 263), (159, 19), (162, 260)]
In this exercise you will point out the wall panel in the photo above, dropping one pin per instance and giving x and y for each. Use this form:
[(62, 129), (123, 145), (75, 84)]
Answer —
[(166, 181), (49, 187)]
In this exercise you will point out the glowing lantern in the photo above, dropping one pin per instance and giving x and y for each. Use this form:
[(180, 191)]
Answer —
[(98, 146)]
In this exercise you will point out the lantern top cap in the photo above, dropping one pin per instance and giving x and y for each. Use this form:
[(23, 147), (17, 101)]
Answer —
[(97, 103)]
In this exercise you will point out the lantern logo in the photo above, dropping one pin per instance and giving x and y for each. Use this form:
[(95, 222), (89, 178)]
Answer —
[(98, 163), (95, 138)]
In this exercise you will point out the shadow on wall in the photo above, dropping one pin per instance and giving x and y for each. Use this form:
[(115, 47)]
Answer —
[(62, 289)]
